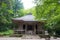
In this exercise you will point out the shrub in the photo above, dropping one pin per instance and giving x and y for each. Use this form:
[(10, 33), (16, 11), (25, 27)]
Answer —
[(6, 33)]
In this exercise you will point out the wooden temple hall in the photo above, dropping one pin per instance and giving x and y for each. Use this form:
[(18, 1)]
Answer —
[(28, 25)]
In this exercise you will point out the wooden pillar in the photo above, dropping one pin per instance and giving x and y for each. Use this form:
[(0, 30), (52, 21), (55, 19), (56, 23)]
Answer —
[(20, 27), (26, 29), (34, 29)]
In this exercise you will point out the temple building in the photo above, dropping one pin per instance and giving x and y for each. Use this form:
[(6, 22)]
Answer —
[(28, 25)]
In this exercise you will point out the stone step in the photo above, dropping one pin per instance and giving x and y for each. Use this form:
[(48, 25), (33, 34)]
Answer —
[(31, 37)]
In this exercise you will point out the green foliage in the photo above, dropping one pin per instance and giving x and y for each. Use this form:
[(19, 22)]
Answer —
[(9, 32), (31, 10), (8, 10), (17, 7), (49, 10)]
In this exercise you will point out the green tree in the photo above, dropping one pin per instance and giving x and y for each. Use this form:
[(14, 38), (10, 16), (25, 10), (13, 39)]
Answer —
[(49, 10), (5, 14), (8, 11), (18, 8)]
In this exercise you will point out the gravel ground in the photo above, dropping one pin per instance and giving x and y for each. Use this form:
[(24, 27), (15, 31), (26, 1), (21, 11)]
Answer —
[(17, 38), (27, 37)]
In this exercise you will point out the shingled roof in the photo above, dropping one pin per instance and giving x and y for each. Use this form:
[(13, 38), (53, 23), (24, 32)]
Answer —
[(28, 17)]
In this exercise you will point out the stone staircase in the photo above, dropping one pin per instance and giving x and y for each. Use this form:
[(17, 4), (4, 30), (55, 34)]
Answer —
[(30, 37)]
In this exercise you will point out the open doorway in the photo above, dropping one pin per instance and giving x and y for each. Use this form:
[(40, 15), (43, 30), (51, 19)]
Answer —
[(29, 27)]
